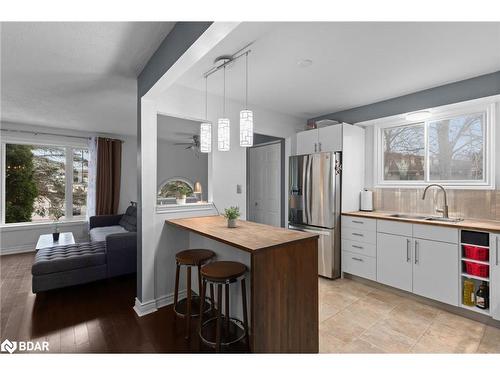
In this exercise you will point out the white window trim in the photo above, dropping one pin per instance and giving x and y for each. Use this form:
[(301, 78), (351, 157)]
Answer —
[(486, 105), (68, 146)]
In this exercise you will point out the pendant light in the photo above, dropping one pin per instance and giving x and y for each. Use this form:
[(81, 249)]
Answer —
[(223, 126), (246, 116), (206, 127)]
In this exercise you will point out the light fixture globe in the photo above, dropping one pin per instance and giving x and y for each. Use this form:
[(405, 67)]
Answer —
[(206, 137), (246, 128), (223, 134)]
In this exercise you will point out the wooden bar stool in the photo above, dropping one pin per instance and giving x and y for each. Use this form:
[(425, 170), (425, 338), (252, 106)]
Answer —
[(189, 307), (223, 273)]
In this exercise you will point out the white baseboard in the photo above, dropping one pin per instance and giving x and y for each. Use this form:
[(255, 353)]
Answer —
[(18, 250), (145, 308)]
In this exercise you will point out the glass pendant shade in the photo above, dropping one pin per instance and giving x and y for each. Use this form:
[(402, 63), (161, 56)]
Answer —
[(246, 128), (223, 134), (206, 137)]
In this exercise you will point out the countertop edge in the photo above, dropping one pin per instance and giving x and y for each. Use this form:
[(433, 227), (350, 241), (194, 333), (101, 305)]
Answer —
[(238, 246), (486, 226)]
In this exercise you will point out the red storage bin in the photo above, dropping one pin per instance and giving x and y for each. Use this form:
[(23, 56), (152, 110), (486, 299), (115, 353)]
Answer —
[(477, 269), (477, 253)]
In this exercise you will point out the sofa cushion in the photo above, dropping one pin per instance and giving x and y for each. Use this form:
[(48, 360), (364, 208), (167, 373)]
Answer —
[(129, 219), (69, 257), (100, 233)]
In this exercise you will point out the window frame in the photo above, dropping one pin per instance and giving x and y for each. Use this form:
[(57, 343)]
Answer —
[(69, 146), (487, 108)]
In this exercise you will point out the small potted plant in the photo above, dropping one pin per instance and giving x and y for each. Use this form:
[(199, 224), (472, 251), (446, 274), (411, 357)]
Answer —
[(231, 214), (181, 194), (56, 213)]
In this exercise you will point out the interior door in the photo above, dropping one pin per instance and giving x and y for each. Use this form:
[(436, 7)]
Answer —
[(394, 261), (435, 270), (495, 276), (264, 184)]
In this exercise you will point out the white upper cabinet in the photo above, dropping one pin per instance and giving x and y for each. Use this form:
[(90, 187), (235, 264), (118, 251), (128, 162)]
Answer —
[(435, 270), (495, 276), (330, 138), (307, 142)]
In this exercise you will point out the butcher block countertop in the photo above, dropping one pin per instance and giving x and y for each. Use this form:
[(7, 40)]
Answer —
[(247, 236), (472, 224)]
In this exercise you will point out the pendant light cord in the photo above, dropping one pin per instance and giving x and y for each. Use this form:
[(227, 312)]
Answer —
[(246, 80), (206, 98), (224, 95)]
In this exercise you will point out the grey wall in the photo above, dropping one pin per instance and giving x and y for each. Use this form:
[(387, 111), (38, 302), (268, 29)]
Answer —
[(473, 88), (182, 36)]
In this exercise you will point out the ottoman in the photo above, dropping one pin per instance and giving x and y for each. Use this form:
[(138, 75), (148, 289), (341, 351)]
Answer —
[(66, 265)]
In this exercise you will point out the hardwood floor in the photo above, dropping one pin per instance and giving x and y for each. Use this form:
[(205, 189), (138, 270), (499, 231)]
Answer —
[(92, 318)]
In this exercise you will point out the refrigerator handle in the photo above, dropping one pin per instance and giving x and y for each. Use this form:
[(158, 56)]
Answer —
[(337, 176)]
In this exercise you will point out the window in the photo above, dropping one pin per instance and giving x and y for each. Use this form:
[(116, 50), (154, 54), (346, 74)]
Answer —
[(174, 188), (453, 149), (43, 182)]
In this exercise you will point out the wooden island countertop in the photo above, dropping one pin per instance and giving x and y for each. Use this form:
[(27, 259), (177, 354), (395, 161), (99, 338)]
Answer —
[(283, 274), (247, 236)]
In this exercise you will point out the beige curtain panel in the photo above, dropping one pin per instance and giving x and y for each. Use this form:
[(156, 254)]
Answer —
[(109, 165)]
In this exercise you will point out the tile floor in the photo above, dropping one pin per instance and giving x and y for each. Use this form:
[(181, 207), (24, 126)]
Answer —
[(356, 318)]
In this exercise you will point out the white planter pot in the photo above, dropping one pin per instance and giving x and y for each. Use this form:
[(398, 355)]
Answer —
[(181, 200), (231, 223)]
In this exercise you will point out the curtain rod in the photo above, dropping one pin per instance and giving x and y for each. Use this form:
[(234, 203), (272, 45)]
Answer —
[(52, 134)]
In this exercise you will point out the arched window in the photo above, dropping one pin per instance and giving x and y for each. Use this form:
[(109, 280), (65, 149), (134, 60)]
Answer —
[(173, 188)]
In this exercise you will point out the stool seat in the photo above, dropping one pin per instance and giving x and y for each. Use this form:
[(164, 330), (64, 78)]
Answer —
[(223, 270), (194, 257)]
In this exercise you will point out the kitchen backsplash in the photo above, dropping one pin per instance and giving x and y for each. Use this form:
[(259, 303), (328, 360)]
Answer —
[(476, 204)]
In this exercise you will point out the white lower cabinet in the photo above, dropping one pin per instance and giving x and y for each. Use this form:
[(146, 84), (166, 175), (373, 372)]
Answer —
[(394, 261), (495, 276), (435, 270), (359, 265)]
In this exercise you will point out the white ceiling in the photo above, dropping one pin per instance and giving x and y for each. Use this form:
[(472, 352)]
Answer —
[(353, 63), (80, 75), (174, 129)]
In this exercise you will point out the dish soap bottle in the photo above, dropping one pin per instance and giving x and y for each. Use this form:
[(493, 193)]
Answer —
[(483, 296), (469, 294)]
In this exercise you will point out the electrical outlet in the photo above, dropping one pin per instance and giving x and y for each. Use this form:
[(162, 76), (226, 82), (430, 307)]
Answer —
[(238, 189)]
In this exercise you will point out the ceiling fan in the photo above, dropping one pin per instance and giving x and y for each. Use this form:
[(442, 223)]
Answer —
[(194, 145)]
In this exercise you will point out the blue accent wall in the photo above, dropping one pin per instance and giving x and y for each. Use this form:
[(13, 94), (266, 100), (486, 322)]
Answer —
[(180, 38), (473, 88)]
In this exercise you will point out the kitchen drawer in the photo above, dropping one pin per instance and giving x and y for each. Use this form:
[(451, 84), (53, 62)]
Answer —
[(394, 227), (435, 232), (358, 235), (359, 223), (359, 247), (359, 265)]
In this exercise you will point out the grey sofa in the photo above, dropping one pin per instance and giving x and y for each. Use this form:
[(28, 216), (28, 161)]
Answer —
[(111, 252)]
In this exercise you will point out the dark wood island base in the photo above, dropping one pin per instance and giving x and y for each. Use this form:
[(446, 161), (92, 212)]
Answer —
[(284, 281)]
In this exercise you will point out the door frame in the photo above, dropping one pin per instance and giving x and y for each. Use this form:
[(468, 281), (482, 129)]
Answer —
[(266, 141)]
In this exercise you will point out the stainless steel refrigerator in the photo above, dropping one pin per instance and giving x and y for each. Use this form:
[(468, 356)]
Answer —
[(314, 204)]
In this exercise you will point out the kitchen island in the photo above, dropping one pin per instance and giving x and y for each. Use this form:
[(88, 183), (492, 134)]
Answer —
[(283, 272)]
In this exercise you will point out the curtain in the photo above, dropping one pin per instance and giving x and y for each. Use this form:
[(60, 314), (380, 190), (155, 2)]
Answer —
[(91, 190), (109, 163)]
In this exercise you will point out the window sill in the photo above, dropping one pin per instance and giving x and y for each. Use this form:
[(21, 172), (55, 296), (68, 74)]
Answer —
[(168, 208), (424, 185), (24, 226)]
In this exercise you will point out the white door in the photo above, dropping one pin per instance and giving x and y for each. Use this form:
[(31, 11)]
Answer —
[(495, 276), (435, 270), (264, 183), (330, 138), (307, 142), (394, 261)]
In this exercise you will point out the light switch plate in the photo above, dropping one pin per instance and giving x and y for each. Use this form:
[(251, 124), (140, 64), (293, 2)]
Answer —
[(238, 189)]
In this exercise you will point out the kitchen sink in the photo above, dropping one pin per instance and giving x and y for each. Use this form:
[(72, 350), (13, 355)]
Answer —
[(409, 216), (444, 219)]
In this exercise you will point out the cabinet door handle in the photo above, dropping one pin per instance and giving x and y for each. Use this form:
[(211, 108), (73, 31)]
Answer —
[(358, 222), (358, 247), (416, 251), (408, 250), (315, 147), (496, 251), (357, 259), (358, 234)]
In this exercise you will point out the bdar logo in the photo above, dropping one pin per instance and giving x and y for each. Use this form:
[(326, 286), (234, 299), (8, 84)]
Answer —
[(8, 346)]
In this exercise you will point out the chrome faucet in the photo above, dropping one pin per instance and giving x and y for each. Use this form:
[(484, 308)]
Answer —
[(444, 210)]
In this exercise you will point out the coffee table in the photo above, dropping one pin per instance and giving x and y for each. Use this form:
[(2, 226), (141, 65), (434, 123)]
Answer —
[(46, 240)]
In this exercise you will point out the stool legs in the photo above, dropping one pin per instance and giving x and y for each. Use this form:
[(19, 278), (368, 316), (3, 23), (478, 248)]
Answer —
[(176, 291), (219, 313), (212, 298), (226, 290), (188, 312)]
